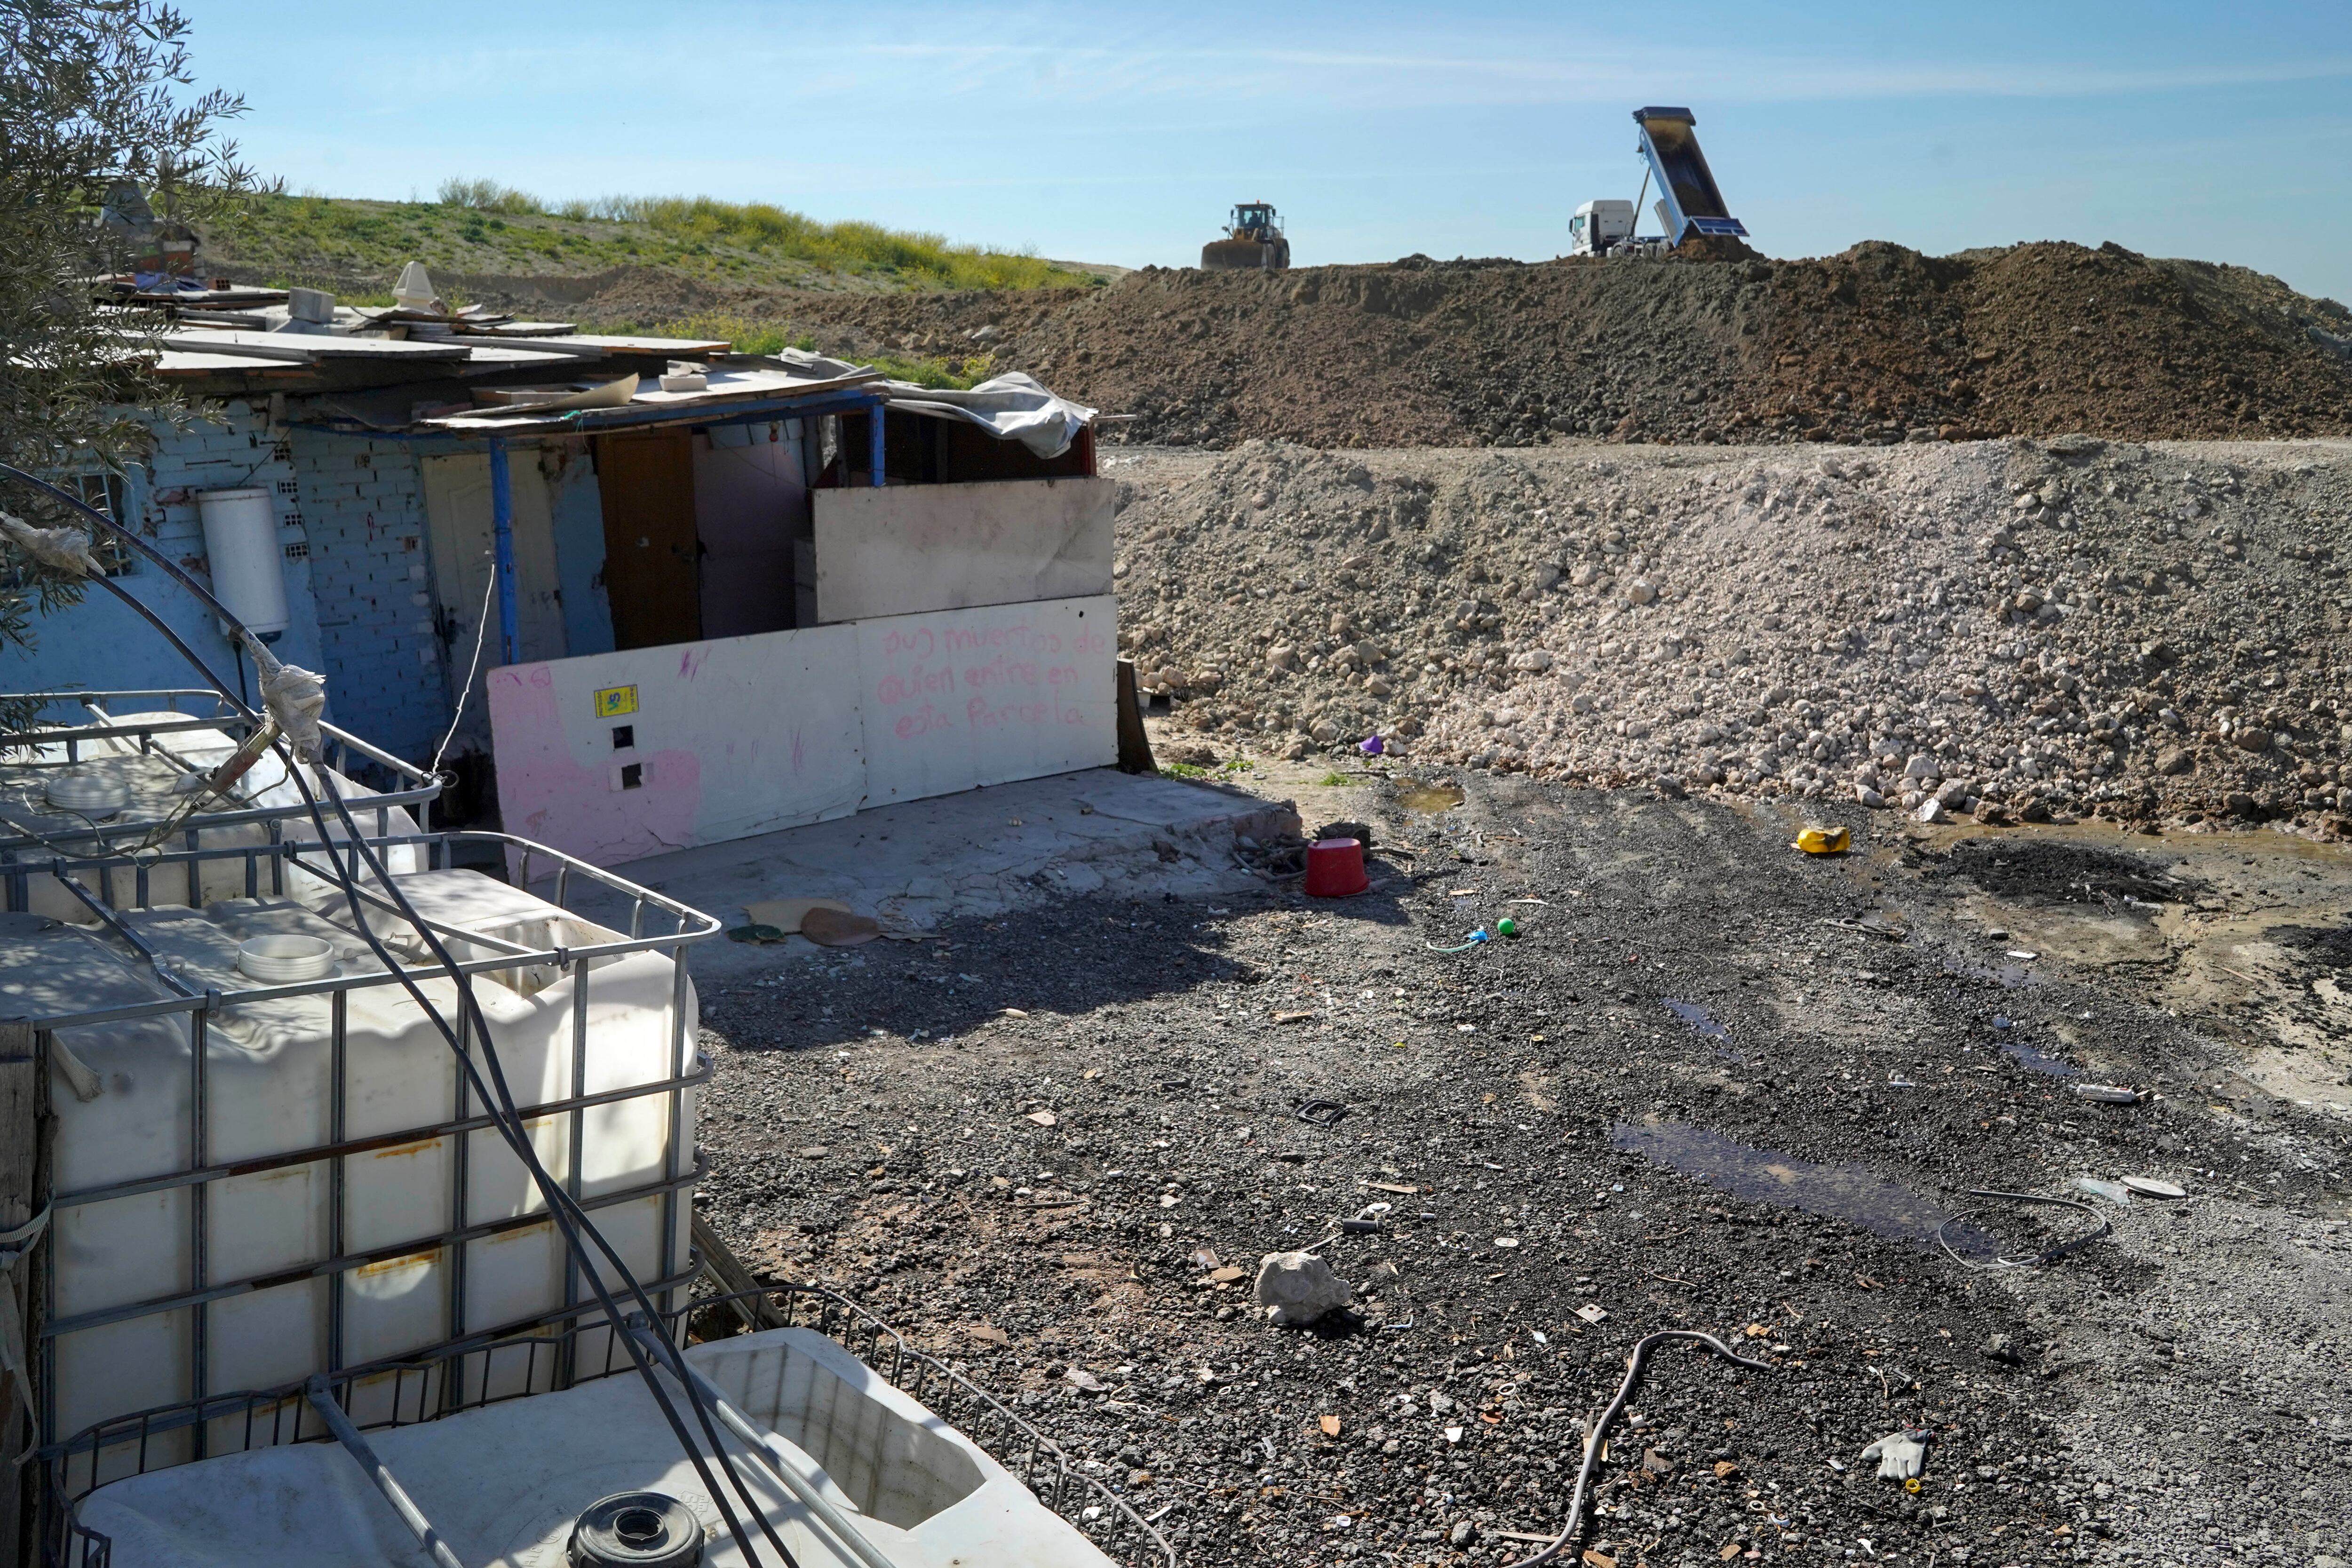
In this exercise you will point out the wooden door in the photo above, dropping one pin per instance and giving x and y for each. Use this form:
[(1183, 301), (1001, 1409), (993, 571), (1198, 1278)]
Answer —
[(651, 549)]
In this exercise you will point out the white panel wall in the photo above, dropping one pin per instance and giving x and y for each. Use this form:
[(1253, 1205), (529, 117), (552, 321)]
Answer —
[(745, 735), (965, 697), (727, 738), (908, 549)]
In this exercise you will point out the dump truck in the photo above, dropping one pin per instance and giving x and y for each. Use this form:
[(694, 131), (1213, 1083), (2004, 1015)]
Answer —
[(1253, 240), (1688, 200)]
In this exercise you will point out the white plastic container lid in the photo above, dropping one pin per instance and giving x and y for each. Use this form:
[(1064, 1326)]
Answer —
[(282, 960), (92, 794)]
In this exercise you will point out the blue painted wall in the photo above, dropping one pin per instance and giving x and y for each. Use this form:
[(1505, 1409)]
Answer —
[(578, 508), (356, 550), (363, 501), (103, 645)]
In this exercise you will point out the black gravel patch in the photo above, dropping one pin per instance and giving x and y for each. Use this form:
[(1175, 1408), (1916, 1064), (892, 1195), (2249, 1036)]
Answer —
[(1033, 1143), (2330, 945), (2038, 871)]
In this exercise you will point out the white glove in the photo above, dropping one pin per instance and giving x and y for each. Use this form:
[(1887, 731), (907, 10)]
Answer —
[(1899, 1454)]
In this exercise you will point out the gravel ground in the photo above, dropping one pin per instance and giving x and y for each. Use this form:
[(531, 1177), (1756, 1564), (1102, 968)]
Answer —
[(1716, 1085), (2152, 633)]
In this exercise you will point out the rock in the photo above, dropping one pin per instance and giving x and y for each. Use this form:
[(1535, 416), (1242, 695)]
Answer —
[(2251, 739), (2174, 761), (1324, 731), (1953, 791), (1869, 796), (1642, 591), (1668, 786), (1461, 1534), (1299, 1287), (1921, 766), (1535, 661), (1932, 810)]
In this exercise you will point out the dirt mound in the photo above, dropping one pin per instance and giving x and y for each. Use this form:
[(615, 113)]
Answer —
[(1879, 344), (2060, 628)]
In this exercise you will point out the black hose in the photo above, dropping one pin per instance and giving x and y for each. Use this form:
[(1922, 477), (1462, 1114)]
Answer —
[(1593, 1441), (569, 1218)]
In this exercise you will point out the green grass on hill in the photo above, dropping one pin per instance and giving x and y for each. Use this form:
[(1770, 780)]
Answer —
[(480, 226)]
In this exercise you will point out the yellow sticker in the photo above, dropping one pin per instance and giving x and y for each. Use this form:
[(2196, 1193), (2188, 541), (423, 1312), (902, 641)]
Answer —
[(614, 700)]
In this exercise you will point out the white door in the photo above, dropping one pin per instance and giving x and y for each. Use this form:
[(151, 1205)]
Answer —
[(465, 553)]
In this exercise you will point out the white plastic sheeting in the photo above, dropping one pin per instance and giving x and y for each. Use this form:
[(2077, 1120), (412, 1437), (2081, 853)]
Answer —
[(1010, 407)]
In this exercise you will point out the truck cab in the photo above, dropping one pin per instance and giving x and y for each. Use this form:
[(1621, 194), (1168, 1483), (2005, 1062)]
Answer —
[(1600, 227)]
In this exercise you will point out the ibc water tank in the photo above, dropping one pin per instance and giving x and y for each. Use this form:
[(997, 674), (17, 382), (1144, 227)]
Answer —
[(248, 574)]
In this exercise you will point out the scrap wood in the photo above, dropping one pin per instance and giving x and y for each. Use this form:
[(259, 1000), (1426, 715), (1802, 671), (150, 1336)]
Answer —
[(718, 1260)]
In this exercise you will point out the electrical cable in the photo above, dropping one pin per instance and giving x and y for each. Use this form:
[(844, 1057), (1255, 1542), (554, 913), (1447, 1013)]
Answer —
[(569, 1219), (1599, 1435), (482, 634)]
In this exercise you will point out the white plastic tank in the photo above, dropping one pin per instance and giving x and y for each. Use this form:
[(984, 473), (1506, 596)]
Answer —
[(248, 570), (503, 1485), (150, 776), (269, 1090)]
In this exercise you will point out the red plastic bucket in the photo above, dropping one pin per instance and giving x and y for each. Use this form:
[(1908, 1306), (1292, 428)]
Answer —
[(1334, 868)]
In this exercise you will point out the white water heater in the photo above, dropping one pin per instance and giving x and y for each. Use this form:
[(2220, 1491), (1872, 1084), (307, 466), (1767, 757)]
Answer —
[(248, 573)]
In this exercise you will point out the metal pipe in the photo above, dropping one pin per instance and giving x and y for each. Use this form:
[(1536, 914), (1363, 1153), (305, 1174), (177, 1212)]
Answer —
[(874, 443), (502, 529), (386, 1482), (767, 1445)]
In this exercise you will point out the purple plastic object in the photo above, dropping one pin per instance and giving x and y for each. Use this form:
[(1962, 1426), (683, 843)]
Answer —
[(1371, 745)]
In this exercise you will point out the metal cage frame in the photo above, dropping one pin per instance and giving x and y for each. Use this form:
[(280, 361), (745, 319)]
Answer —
[(440, 850), (23, 853)]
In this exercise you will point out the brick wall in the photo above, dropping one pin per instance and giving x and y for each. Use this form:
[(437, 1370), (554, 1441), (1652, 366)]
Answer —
[(100, 645), (363, 508)]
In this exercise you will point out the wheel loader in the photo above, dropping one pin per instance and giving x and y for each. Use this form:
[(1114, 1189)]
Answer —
[(1253, 241)]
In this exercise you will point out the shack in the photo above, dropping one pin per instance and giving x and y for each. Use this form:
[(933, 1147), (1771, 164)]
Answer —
[(634, 593)]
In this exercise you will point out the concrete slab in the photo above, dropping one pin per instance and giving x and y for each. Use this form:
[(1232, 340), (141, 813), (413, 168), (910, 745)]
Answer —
[(978, 853)]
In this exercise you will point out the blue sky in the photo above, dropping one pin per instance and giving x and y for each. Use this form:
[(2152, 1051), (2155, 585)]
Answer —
[(1122, 133)]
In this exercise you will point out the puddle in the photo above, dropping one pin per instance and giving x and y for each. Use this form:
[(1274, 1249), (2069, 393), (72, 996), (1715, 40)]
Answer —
[(2034, 1059), (2010, 976), (1702, 1022), (1412, 795), (1849, 1193), (1697, 1017)]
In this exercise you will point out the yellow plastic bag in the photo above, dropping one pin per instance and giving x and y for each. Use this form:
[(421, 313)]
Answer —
[(1821, 840)]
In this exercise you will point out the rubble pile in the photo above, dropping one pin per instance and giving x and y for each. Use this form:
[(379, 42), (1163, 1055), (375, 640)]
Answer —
[(2041, 628)]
